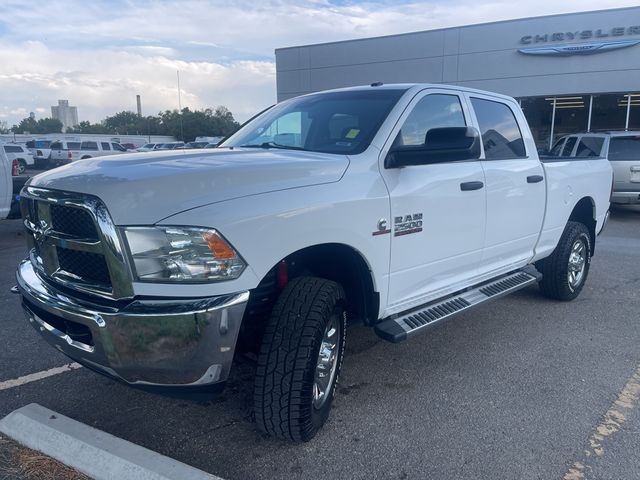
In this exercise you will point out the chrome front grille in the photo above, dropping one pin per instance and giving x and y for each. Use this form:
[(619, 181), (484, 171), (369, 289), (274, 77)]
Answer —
[(74, 242)]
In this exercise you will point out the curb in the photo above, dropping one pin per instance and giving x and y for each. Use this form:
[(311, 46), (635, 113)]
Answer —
[(92, 451)]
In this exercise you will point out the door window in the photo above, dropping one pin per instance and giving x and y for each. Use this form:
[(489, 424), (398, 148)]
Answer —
[(568, 147), (89, 146), (589, 147), (432, 111), (105, 145), (500, 132), (557, 148)]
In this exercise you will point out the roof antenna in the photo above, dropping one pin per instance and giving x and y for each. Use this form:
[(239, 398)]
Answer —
[(377, 84)]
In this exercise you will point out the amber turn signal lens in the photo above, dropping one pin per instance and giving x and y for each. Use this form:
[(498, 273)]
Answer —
[(218, 246)]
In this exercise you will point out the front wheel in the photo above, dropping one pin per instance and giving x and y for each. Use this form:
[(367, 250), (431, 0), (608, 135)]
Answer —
[(300, 359), (565, 272)]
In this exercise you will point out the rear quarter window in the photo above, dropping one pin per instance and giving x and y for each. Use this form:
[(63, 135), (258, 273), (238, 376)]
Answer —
[(624, 148)]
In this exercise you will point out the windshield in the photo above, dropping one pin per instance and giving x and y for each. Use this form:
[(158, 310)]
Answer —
[(333, 122)]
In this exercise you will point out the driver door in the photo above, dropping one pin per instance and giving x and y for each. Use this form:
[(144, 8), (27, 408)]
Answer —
[(438, 222)]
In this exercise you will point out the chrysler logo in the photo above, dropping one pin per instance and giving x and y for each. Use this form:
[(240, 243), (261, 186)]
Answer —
[(579, 48)]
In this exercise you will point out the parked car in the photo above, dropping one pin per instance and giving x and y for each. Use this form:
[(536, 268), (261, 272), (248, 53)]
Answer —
[(400, 207), (70, 151), (147, 147), (130, 147), (61, 151), (192, 145), (6, 182), (211, 145), (623, 151), (21, 154), (169, 146), (41, 150), (207, 140)]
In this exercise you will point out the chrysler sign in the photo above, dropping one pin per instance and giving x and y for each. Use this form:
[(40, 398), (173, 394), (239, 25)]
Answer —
[(599, 34), (579, 48), (545, 44)]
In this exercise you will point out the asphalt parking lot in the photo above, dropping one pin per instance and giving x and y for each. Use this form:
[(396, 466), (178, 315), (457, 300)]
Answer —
[(522, 388)]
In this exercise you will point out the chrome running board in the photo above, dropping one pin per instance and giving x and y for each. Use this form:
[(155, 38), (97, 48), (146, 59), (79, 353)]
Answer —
[(401, 326)]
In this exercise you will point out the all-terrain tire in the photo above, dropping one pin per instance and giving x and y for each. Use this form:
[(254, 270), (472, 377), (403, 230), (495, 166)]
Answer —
[(284, 384), (555, 269)]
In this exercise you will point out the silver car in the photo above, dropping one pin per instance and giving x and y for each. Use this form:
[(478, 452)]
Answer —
[(623, 151)]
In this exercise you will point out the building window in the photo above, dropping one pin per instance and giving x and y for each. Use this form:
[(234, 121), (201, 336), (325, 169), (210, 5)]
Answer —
[(538, 112), (572, 114), (634, 112), (609, 112)]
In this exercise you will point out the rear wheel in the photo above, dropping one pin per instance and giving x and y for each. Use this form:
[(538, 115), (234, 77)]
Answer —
[(565, 272), (300, 359), (22, 166)]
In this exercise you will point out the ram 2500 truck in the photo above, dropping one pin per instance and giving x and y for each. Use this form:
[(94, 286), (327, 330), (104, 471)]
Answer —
[(398, 206)]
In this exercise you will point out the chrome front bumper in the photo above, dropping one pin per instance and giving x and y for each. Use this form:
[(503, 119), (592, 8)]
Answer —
[(168, 343)]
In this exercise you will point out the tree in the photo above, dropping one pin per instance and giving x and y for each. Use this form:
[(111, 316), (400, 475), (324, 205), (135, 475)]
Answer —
[(3, 127), (48, 125), (44, 125), (88, 127), (185, 125)]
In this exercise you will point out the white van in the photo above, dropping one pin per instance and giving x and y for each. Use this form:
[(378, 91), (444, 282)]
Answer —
[(6, 184), (20, 153), (70, 151)]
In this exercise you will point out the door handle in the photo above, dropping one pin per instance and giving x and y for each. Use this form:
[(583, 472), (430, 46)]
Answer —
[(467, 186), (534, 178)]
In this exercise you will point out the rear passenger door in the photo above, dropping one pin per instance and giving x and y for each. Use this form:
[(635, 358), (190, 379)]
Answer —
[(515, 185)]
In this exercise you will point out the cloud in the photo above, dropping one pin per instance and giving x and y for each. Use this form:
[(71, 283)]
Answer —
[(100, 54)]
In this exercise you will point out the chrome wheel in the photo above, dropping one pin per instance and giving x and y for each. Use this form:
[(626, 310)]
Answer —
[(577, 263), (327, 362)]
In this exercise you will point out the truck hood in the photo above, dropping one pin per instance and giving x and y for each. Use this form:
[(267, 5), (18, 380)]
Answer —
[(144, 188)]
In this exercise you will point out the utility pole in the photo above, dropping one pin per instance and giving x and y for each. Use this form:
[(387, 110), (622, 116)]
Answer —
[(180, 107)]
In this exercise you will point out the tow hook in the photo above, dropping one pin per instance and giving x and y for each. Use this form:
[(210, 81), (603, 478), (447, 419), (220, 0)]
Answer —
[(15, 290)]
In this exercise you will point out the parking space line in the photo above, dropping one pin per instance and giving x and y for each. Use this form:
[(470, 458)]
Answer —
[(611, 423), (34, 377)]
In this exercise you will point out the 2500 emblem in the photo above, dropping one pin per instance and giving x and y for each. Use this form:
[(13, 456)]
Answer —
[(407, 224)]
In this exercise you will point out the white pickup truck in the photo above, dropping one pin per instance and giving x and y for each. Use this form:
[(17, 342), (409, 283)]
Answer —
[(398, 206)]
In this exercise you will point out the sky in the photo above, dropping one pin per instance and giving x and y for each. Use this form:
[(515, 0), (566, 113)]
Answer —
[(99, 54)]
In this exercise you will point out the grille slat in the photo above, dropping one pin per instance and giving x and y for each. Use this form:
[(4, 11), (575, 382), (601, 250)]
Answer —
[(73, 221), (90, 267)]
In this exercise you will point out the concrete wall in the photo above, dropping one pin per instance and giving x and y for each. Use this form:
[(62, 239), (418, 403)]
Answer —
[(479, 56)]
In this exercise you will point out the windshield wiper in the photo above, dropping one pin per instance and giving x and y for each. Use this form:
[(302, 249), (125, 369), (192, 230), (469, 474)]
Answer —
[(273, 145)]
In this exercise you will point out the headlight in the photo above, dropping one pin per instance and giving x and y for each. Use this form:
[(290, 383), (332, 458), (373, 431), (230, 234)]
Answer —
[(182, 254)]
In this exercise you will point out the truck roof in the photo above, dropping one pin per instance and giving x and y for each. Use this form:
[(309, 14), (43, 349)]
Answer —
[(412, 86)]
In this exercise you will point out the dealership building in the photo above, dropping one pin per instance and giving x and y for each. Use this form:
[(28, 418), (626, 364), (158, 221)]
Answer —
[(571, 72)]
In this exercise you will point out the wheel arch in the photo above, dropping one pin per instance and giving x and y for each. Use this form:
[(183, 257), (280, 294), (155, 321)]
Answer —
[(333, 261), (585, 212)]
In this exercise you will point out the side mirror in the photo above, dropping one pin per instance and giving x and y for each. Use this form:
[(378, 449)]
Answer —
[(447, 144)]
